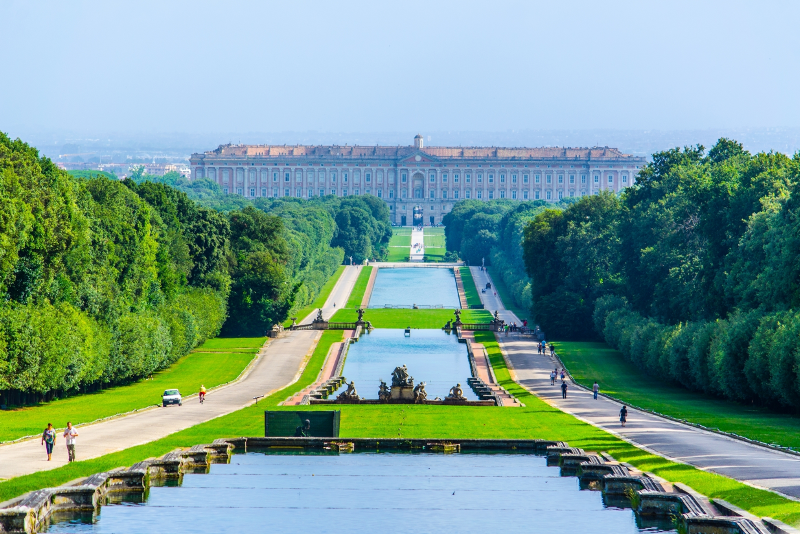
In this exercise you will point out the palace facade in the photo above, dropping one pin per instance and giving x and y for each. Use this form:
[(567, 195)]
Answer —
[(420, 184)]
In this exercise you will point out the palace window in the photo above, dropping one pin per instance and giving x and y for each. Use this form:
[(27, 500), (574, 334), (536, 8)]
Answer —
[(212, 174), (524, 195), (583, 193), (491, 195), (502, 178), (264, 192), (572, 178), (455, 178), (333, 192), (286, 192), (561, 178), (225, 190), (404, 177), (333, 178), (198, 173), (239, 191), (513, 178), (597, 178), (560, 194), (252, 176), (468, 177), (391, 193), (491, 178), (380, 193), (298, 193), (610, 179), (624, 178), (274, 176), (367, 177), (455, 195), (239, 176), (548, 195), (310, 193), (502, 194), (480, 178), (571, 193), (444, 178), (480, 194), (310, 176), (444, 194), (344, 192), (514, 195), (252, 191), (433, 178), (538, 178), (344, 178), (466, 193), (355, 191), (403, 193), (549, 179), (275, 192), (536, 195), (226, 173), (524, 178), (583, 178), (286, 178), (433, 194), (322, 192)]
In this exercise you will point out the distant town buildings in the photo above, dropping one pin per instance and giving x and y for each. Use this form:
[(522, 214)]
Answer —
[(124, 169), (419, 184)]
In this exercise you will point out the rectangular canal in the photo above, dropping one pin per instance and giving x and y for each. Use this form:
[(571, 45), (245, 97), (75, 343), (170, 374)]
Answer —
[(369, 493), (428, 287)]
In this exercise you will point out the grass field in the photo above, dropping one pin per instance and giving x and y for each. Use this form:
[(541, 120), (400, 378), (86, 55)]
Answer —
[(357, 295), (388, 318), (319, 302), (434, 254), (434, 237), (400, 238), (505, 295), (216, 362), (623, 380), (471, 292), (399, 254), (536, 420)]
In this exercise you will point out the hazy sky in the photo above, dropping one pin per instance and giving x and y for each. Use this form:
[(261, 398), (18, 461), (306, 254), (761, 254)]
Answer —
[(206, 67)]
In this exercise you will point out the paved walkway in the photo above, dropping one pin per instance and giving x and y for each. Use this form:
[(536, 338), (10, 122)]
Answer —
[(418, 239), (278, 365), (737, 459)]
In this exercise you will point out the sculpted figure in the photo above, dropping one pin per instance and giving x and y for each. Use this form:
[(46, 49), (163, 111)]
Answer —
[(360, 315), (350, 394), (303, 431), (319, 318), (419, 392), (400, 377), (456, 393), (383, 391)]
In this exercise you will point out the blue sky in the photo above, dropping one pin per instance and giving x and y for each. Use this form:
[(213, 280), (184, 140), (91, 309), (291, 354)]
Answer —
[(207, 67)]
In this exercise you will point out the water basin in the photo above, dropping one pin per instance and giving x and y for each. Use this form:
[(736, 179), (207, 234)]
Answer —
[(426, 287), (369, 493), (431, 356)]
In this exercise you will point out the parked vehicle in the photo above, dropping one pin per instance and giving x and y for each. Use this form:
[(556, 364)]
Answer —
[(171, 396)]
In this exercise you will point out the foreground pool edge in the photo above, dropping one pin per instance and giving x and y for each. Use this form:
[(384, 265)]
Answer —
[(648, 495)]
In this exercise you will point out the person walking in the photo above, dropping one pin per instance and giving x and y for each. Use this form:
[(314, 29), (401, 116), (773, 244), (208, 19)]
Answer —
[(49, 440), (623, 415), (552, 378), (563, 374), (563, 389), (70, 434), (595, 389), (202, 393)]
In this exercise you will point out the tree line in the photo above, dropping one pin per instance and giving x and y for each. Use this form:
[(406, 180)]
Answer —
[(692, 273), (107, 281)]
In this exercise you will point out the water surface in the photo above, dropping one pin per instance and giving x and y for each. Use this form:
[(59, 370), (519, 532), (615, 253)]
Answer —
[(415, 285), (431, 356), (369, 493)]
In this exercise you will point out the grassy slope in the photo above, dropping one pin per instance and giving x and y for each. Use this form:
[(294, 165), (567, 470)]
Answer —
[(471, 292), (505, 295), (386, 318), (536, 420), (398, 254), (187, 374), (433, 237), (357, 295), (319, 302), (621, 379), (400, 238)]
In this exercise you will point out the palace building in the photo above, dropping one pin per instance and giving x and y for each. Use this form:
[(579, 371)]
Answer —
[(418, 183)]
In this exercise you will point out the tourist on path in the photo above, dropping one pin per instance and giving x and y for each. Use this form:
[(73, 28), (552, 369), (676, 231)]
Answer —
[(595, 389), (563, 389), (623, 415), (202, 393), (70, 434), (552, 378), (563, 374), (49, 440)]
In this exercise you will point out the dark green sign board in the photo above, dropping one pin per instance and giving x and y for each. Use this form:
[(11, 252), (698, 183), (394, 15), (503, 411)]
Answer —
[(302, 424)]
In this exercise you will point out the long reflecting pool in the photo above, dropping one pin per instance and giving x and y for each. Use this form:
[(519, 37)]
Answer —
[(409, 286), (431, 356), (369, 493)]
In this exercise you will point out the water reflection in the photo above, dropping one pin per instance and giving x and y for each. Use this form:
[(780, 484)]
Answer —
[(409, 286)]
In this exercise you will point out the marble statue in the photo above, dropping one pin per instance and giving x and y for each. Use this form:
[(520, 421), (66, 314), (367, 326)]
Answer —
[(420, 394), (350, 394), (456, 393), (401, 378), (383, 391)]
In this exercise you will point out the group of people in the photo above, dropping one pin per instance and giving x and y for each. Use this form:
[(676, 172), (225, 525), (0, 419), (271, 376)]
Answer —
[(555, 373), (49, 440), (542, 348)]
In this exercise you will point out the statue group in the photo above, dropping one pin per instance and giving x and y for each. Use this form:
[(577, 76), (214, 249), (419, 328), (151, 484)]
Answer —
[(456, 393), (401, 378), (350, 393)]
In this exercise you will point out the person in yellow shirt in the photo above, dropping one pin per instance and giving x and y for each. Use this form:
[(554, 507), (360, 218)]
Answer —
[(202, 394)]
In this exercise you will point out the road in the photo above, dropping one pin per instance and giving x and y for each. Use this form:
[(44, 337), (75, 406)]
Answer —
[(746, 462), (279, 364)]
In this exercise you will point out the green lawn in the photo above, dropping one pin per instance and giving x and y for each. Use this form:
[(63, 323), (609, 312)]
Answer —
[(187, 374), (319, 302), (505, 295), (471, 292), (389, 318), (623, 380), (400, 238), (434, 237), (357, 295), (435, 254), (399, 254), (536, 420)]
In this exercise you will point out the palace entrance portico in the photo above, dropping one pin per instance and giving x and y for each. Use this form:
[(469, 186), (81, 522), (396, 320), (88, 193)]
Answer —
[(417, 215)]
